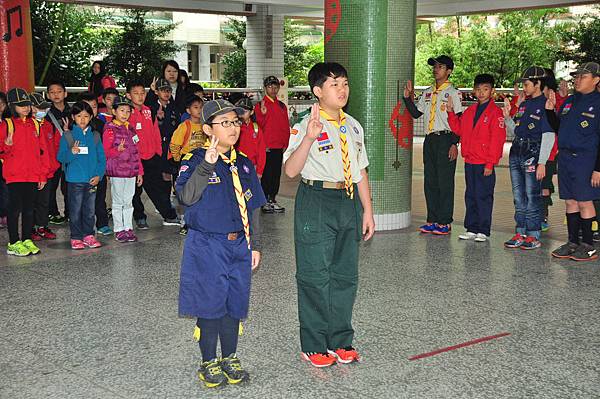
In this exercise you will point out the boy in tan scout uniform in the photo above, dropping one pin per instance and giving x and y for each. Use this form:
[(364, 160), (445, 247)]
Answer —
[(333, 212)]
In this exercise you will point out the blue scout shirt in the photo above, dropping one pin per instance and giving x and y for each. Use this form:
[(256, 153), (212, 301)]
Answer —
[(531, 121), (580, 123), (217, 211)]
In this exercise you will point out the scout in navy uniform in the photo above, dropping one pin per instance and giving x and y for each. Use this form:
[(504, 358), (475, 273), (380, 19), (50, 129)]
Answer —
[(220, 190), (534, 138), (328, 150), (579, 162)]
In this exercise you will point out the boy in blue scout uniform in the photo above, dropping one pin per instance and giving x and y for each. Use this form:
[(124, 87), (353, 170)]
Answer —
[(579, 162), (327, 149), (220, 190), (534, 138)]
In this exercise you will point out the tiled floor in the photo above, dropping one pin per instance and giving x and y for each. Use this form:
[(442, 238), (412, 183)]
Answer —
[(103, 323)]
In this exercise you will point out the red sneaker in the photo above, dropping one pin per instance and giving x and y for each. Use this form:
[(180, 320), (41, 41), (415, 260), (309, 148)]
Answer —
[(91, 242), (77, 244), (46, 233), (345, 356), (318, 359), (35, 236)]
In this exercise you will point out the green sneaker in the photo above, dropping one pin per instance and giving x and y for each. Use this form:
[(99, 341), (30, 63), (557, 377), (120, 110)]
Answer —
[(233, 370), (33, 249), (18, 249), (211, 374)]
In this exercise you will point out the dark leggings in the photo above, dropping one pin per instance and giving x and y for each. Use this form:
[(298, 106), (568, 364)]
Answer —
[(225, 329), (20, 202)]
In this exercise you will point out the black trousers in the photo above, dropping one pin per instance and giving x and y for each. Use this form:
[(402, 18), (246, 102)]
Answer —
[(439, 178), (101, 212), (20, 202), (40, 206), (57, 180), (271, 177), (157, 189)]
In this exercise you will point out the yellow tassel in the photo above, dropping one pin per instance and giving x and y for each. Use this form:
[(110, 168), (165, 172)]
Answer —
[(241, 331), (594, 226), (197, 334)]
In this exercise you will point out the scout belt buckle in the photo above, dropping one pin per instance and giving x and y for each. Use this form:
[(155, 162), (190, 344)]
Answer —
[(232, 236)]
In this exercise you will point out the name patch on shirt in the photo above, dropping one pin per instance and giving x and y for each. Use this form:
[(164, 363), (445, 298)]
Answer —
[(323, 142), (214, 179), (537, 118)]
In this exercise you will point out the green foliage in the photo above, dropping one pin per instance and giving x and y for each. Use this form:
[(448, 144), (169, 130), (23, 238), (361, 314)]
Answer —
[(583, 44), (504, 49), (234, 74), (137, 51), (75, 40)]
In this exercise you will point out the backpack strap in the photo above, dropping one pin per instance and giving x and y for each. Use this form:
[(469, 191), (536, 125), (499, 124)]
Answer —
[(188, 131), (68, 135), (37, 126), (56, 123), (10, 126)]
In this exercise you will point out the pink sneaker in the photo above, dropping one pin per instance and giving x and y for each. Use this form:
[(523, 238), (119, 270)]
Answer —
[(77, 244), (121, 236), (131, 237), (91, 242)]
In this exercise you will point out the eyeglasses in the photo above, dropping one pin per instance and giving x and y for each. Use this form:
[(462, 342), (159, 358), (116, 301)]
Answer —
[(226, 124)]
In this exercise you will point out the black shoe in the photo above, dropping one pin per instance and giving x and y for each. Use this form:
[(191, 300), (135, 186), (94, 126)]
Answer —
[(232, 368), (565, 251), (57, 219), (584, 252), (267, 208), (141, 224), (277, 208), (596, 236), (183, 231), (211, 374)]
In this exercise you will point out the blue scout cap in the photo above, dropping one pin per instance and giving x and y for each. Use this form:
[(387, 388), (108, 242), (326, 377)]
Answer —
[(219, 107)]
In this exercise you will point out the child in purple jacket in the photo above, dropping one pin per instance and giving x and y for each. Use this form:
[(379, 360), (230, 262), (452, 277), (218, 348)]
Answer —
[(124, 167)]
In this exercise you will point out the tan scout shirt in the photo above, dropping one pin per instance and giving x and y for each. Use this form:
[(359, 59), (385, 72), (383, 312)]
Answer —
[(437, 100), (324, 160)]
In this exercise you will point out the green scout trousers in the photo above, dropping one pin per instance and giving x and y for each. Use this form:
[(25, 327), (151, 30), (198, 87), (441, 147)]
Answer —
[(327, 231), (439, 178)]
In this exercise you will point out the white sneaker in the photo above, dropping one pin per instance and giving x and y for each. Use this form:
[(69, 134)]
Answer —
[(481, 237), (467, 236)]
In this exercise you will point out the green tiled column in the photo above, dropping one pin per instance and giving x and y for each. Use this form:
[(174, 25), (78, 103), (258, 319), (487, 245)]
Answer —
[(375, 41)]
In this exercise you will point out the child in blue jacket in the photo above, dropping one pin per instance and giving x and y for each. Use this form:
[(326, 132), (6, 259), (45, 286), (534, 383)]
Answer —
[(82, 156)]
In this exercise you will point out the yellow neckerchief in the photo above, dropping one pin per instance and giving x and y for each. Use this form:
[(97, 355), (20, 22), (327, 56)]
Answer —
[(269, 97), (332, 120), (344, 150), (119, 123), (433, 108)]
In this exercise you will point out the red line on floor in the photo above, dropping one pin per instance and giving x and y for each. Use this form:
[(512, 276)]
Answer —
[(454, 347)]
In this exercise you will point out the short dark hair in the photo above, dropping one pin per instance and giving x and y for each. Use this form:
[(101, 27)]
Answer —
[(56, 82), (484, 78), (321, 71), (192, 99), (88, 96), (542, 82), (6, 113), (550, 79), (110, 90), (81, 106), (195, 87), (134, 83)]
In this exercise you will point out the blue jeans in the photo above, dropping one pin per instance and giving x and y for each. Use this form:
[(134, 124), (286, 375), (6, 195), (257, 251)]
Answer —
[(82, 208), (527, 190)]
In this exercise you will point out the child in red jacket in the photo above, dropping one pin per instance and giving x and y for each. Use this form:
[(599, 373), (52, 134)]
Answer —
[(251, 142), (482, 134), (25, 170), (51, 136)]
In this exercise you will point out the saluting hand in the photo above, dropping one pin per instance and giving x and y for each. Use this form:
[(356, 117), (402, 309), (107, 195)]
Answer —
[(551, 100), (409, 90), (75, 150), (263, 106), (506, 108), (315, 127), (121, 146), (255, 259), (521, 98), (212, 155), (563, 88)]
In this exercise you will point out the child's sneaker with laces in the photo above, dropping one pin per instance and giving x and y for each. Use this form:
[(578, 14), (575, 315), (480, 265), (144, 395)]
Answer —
[(345, 355), (46, 233), (565, 251), (77, 244), (427, 228), (531, 243), (584, 252), (233, 370), (33, 249), (515, 242), (467, 236), (131, 237), (17, 249), (105, 230), (318, 359), (442, 229), (211, 374), (121, 236), (91, 242), (35, 236)]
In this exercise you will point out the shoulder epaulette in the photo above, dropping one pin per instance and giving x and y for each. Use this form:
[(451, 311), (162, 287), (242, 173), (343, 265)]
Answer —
[(187, 156)]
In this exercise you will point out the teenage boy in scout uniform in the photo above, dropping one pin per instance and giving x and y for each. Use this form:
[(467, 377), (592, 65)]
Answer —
[(439, 150), (534, 139), (579, 162), (332, 212)]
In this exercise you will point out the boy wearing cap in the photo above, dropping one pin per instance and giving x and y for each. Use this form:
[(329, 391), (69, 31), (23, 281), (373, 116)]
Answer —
[(531, 148), (482, 132), (20, 145), (440, 147), (333, 211), (221, 192), (156, 180), (251, 142), (579, 162), (48, 133), (274, 125)]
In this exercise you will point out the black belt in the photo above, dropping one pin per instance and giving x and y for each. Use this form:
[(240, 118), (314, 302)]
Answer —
[(525, 140), (440, 132)]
